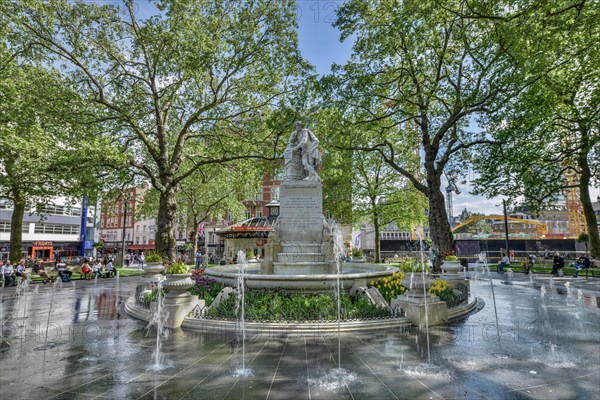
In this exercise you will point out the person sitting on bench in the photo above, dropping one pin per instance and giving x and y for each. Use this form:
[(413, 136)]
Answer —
[(41, 271), (109, 269), (557, 264), (504, 262), (581, 263), (63, 272)]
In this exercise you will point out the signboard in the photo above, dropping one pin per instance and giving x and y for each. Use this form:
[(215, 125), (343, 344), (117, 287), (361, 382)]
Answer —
[(42, 244), (82, 231)]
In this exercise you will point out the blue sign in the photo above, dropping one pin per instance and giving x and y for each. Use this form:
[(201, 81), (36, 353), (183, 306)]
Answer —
[(84, 214)]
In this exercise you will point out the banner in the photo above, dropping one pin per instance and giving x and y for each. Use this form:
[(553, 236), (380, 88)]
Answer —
[(201, 229), (357, 241)]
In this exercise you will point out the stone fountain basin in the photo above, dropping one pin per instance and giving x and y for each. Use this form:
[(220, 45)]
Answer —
[(359, 274)]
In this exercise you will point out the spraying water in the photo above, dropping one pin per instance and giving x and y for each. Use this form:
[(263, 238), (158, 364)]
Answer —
[(494, 301), (424, 294), (159, 318), (241, 311)]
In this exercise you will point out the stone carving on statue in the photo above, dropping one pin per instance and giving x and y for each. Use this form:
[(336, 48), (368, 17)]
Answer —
[(302, 156)]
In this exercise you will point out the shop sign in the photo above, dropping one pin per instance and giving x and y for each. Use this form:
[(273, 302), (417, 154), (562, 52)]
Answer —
[(42, 244)]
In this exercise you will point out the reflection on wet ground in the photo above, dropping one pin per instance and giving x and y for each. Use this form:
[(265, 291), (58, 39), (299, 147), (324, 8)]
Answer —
[(81, 345)]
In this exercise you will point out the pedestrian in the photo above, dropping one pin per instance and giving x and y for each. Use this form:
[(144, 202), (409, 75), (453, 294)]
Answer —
[(127, 260), (141, 259), (198, 259)]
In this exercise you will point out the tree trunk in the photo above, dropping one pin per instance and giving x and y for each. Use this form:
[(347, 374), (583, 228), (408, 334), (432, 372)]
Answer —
[(439, 227), (377, 242), (588, 209), (16, 227), (165, 225)]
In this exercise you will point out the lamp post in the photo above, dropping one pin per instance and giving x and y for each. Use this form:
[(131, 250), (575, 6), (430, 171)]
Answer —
[(126, 199), (506, 229)]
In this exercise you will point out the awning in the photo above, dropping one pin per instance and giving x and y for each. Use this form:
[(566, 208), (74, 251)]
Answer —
[(141, 247)]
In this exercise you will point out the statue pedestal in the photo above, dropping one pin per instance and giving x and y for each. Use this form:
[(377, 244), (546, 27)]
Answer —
[(300, 227)]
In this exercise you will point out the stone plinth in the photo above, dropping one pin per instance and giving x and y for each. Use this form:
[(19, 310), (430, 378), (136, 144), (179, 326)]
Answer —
[(300, 230), (422, 311)]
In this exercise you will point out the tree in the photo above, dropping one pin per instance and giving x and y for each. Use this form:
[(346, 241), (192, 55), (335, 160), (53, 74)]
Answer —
[(382, 198), (43, 154), (209, 194), (430, 72), (549, 137), (178, 77)]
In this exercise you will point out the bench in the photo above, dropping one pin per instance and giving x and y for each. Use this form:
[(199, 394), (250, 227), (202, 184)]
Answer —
[(589, 269)]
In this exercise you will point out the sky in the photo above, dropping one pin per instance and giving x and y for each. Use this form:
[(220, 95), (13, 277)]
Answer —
[(320, 44)]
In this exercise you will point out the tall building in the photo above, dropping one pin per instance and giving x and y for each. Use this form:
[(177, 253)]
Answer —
[(118, 225)]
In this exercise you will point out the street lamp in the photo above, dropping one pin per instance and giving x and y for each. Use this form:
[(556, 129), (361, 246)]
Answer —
[(126, 200)]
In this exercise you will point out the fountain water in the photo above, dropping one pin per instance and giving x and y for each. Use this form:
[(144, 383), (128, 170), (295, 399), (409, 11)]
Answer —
[(159, 317), (531, 278), (493, 301), (48, 346), (509, 275), (424, 294), (569, 293), (242, 264), (551, 288)]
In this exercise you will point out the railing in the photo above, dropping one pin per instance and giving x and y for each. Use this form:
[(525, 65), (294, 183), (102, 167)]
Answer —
[(209, 313)]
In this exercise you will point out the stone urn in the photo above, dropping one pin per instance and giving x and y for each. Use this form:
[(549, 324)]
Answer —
[(415, 288), (451, 267), (178, 282), (178, 301), (154, 270)]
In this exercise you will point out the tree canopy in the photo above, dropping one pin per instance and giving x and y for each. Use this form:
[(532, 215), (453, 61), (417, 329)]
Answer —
[(172, 84)]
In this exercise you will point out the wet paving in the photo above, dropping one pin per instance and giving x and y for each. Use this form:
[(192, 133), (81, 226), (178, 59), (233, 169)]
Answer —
[(75, 342)]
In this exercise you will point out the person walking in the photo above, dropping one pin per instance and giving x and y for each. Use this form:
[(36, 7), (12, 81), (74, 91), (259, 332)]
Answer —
[(141, 259), (198, 259)]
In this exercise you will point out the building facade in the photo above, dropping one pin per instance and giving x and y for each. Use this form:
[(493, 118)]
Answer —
[(58, 229)]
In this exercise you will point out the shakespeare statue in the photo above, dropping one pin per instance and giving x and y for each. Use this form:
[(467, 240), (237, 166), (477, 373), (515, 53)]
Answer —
[(302, 156)]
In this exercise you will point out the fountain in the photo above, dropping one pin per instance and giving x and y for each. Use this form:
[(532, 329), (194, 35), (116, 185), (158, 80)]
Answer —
[(299, 253), (301, 256)]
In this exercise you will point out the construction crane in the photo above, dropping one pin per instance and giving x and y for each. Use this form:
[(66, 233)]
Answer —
[(541, 228), (450, 207)]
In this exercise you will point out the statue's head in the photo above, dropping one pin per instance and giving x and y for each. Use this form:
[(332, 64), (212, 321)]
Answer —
[(298, 125)]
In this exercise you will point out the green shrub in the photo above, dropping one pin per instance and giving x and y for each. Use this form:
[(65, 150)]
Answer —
[(275, 306), (451, 257), (153, 257), (177, 268), (410, 265), (153, 296), (357, 253)]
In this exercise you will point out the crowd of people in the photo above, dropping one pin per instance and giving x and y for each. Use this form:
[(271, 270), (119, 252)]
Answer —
[(89, 269)]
